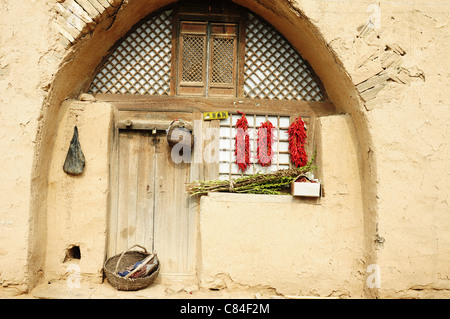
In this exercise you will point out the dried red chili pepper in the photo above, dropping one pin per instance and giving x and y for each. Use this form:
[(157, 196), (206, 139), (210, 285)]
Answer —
[(242, 143), (264, 144), (297, 141)]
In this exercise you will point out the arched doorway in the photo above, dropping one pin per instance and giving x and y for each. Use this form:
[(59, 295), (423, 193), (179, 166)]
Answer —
[(76, 78), (200, 52)]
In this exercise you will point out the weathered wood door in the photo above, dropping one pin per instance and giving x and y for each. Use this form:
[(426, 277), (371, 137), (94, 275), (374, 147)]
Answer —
[(151, 206)]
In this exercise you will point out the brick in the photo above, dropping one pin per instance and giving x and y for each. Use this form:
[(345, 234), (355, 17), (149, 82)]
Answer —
[(78, 11), (373, 81), (390, 59), (366, 71), (90, 9), (372, 93), (71, 19), (115, 3), (98, 6), (63, 32), (69, 28), (108, 7), (396, 48)]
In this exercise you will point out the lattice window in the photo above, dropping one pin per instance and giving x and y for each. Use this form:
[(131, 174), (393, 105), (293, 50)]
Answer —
[(193, 59), (207, 58), (228, 168), (222, 61), (273, 68), (141, 64)]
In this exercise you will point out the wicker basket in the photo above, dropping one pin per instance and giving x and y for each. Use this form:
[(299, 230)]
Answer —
[(124, 260)]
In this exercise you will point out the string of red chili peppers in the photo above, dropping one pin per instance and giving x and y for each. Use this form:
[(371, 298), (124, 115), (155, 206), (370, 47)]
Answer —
[(264, 144), (297, 141), (242, 143)]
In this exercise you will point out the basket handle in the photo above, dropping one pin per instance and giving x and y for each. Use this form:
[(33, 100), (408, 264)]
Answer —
[(118, 262)]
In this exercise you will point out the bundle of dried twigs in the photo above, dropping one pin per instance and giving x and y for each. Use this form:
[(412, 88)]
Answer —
[(270, 183)]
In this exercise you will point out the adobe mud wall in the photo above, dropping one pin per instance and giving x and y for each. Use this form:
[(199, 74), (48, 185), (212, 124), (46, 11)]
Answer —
[(383, 64)]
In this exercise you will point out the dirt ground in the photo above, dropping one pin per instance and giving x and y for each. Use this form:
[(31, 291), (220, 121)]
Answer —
[(60, 290), (88, 290)]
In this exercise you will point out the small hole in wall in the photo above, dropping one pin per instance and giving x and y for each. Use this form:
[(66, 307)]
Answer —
[(73, 252)]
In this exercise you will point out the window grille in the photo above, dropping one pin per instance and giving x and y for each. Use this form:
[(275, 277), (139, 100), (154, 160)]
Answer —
[(222, 77), (141, 64), (207, 58), (193, 59), (222, 61), (227, 166), (273, 68), (207, 62)]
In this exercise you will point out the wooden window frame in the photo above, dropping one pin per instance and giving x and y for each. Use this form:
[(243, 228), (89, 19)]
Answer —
[(233, 15), (191, 88), (227, 146), (136, 112), (223, 89), (128, 102)]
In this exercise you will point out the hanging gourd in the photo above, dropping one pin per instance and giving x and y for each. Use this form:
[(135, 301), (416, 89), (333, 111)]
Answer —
[(264, 144), (242, 143), (297, 142)]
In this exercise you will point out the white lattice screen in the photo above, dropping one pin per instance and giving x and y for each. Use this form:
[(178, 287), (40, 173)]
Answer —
[(273, 68), (141, 64), (228, 168)]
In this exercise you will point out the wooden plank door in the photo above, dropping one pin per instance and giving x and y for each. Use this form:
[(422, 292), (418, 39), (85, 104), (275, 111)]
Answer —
[(171, 231), (131, 221), (150, 205)]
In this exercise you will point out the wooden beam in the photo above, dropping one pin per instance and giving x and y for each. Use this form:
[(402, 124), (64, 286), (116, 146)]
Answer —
[(232, 105), (159, 121)]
